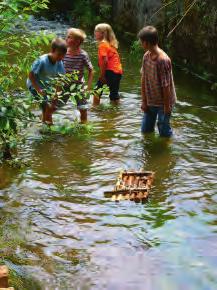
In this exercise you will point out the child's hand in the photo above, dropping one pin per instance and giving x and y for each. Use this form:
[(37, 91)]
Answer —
[(144, 107), (87, 88), (102, 80), (167, 109)]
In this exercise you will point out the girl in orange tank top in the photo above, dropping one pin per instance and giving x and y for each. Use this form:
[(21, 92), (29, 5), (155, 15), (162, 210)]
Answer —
[(108, 61)]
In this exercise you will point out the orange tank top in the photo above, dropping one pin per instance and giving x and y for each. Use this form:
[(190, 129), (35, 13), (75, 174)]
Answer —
[(113, 58)]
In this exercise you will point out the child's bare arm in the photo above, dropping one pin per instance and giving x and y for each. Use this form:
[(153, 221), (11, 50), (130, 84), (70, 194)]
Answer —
[(34, 83), (144, 106), (166, 97), (103, 69), (90, 79), (165, 79)]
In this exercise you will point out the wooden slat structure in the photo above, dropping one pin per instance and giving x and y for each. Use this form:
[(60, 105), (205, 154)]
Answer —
[(132, 185)]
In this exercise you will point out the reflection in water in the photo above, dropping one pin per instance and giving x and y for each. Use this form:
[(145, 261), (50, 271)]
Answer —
[(7, 174), (158, 155), (66, 235)]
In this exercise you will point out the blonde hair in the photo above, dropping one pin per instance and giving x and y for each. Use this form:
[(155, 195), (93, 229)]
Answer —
[(77, 33), (108, 33)]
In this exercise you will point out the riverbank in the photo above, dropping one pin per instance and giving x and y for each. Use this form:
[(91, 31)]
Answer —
[(193, 41)]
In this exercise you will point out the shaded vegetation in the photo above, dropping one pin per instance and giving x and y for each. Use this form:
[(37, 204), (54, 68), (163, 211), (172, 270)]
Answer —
[(188, 31), (194, 41), (83, 13)]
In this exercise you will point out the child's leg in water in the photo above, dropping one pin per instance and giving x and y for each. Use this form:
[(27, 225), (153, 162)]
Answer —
[(83, 116), (43, 105), (96, 100), (48, 111), (82, 106), (47, 115), (96, 97), (115, 102), (113, 81)]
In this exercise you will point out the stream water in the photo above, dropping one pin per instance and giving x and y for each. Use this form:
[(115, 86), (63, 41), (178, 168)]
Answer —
[(62, 233)]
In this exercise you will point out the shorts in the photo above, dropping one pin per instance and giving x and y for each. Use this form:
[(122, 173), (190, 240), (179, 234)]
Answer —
[(113, 82), (82, 103)]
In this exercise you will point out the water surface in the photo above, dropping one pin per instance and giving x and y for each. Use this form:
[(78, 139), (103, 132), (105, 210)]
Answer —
[(62, 233)]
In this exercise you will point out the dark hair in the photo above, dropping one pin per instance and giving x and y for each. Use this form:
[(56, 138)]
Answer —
[(59, 44), (148, 34)]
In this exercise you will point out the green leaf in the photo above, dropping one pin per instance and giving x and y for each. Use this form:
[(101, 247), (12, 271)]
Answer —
[(46, 40), (3, 122), (72, 99), (72, 87), (7, 125), (3, 53)]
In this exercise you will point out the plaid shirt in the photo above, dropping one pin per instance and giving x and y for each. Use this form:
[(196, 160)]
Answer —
[(158, 75)]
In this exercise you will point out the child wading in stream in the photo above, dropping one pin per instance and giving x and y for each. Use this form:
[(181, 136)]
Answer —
[(157, 86), (45, 67), (109, 62), (76, 59)]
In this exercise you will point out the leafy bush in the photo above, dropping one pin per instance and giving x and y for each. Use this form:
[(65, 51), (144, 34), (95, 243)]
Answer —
[(15, 115), (136, 49), (14, 104), (65, 86), (88, 13), (85, 13)]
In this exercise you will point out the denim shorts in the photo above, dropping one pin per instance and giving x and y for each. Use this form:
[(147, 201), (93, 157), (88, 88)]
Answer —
[(154, 114)]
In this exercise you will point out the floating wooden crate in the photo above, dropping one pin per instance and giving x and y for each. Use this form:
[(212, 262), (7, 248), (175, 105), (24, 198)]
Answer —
[(132, 185)]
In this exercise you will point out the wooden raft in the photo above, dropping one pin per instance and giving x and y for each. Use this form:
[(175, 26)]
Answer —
[(132, 185)]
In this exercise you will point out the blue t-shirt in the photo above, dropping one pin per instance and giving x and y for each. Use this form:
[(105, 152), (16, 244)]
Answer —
[(44, 69)]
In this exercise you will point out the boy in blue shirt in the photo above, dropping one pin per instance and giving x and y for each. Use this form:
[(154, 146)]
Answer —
[(45, 67)]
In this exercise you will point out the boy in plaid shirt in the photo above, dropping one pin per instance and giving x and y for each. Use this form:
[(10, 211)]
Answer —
[(157, 86)]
